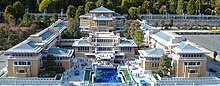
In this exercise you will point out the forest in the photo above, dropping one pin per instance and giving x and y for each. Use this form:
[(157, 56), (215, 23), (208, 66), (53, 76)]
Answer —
[(121, 6)]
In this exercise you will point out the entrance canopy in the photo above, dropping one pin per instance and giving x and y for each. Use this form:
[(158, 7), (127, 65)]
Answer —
[(105, 56)]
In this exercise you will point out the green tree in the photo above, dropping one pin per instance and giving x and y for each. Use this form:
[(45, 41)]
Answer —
[(190, 7), (179, 7), (124, 6), (162, 23), (50, 62), (100, 3), (19, 10), (155, 23), (54, 18), (171, 23), (73, 30), (130, 27), (217, 7), (79, 12), (197, 4), (145, 6), (138, 37), (27, 20), (44, 5), (162, 9), (9, 10), (118, 10), (89, 6), (46, 21), (110, 4), (165, 64), (133, 13), (172, 6), (134, 3), (70, 13), (156, 7), (2, 18)]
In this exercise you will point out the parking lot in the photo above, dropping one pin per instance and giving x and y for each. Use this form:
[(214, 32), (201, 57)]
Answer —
[(211, 43)]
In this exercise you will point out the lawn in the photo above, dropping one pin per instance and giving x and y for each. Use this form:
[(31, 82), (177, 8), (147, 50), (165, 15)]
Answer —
[(87, 76), (127, 76)]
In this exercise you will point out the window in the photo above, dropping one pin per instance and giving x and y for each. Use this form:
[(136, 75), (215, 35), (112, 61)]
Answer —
[(22, 63), (21, 71), (185, 63), (192, 71), (59, 64), (198, 63), (28, 63), (192, 63)]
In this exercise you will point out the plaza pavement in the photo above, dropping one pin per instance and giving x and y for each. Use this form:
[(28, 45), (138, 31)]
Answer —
[(69, 75)]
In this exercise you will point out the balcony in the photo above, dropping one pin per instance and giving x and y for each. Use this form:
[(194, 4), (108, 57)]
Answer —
[(192, 65)]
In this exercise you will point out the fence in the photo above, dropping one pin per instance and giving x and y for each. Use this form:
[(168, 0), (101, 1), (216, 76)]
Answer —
[(30, 81), (189, 81)]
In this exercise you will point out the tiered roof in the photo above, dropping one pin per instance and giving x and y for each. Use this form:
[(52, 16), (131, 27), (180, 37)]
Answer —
[(185, 47), (60, 52), (126, 43), (44, 38), (101, 10), (152, 53)]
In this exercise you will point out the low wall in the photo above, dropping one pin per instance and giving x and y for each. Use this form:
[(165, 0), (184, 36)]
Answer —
[(30, 81)]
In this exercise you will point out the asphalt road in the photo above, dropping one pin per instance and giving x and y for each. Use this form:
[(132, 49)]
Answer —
[(210, 42)]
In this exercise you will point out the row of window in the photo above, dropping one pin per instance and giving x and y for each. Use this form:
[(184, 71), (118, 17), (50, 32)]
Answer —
[(21, 71), (192, 63), (155, 59), (192, 71), (58, 58), (103, 40), (104, 49), (24, 54), (22, 63), (191, 55), (59, 64), (155, 65)]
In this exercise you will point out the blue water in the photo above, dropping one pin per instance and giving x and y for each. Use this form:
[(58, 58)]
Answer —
[(107, 75)]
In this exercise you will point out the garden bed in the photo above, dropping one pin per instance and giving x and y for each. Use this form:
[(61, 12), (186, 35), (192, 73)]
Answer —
[(126, 76)]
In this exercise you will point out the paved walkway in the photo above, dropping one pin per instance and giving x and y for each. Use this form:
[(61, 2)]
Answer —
[(69, 75), (138, 74)]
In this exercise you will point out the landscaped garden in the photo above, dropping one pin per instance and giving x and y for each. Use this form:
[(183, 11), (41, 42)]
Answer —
[(126, 76), (87, 76)]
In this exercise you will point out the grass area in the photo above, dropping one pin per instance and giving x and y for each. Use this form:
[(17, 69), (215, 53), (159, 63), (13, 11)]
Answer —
[(86, 77), (127, 76)]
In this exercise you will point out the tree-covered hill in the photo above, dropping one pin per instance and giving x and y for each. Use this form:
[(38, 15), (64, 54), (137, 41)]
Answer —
[(122, 6)]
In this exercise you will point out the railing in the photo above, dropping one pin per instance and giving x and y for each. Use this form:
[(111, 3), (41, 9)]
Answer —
[(109, 84), (30, 81), (189, 81)]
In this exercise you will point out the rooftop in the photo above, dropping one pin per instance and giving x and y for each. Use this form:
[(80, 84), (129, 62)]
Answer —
[(101, 10), (102, 17), (87, 15), (155, 52), (59, 52), (185, 47), (25, 46), (81, 42), (127, 43)]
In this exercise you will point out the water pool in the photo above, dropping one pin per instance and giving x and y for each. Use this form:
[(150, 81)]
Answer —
[(107, 75)]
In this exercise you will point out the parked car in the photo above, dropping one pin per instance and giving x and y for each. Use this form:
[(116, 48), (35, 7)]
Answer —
[(76, 73), (143, 83), (212, 70)]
